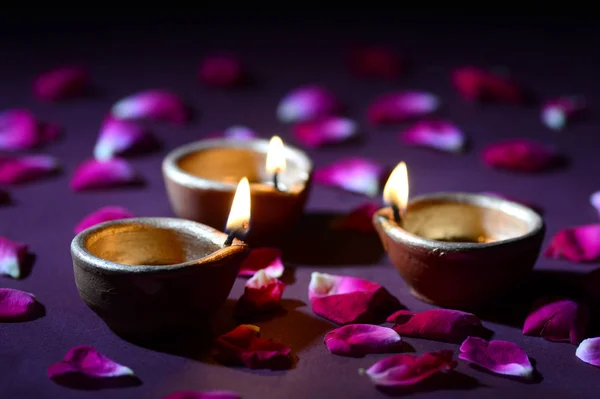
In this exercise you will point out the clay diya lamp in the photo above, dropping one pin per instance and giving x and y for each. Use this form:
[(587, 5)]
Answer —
[(458, 250), (200, 180), (152, 275)]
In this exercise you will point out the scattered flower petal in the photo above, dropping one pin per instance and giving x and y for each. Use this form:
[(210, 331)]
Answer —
[(203, 395), (20, 130), (359, 219), (104, 214), (329, 130), (500, 357), (595, 201), (557, 320), (120, 137), (520, 155), (17, 305), (12, 256), (357, 175), (528, 204), (405, 370), (478, 84), (21, 169), (156, 105), (87, 361), (558, 111), (362, 339), (4, 197), (307, 103), (236, 132), (348, 300), (61, 83), (262, 294), (438, 134), (374, 62), (589, 351), (577, 244), (401, 106), (437, 324), (221, 70), (242, 345), (267, 259), (94, 174)]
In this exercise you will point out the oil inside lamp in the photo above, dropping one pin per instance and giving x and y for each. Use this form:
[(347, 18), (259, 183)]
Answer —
[(238, 222), (276, 161), (395, 192)]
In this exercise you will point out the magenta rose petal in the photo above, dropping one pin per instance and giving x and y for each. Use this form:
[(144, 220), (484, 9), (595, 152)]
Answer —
[(521, 155), (267, 259), (435, 133), (374, 62), (349, 300), (120, 137), (405, 369), (104, 214), (478, 84), (307, 103), (221, 70), (18, 130), (595, 201), (262, 294), (357, 175), (577, 244), (401, 106), (557, 320), (17, 305), (61, 83), (203, 395), (500, 357), (362, 339), (589, 351), (329, 130), (12, 257), (87, 361), (93, 174), (558, 111), (359, 219), (155, 105), (528, 204), (443, 325), (22, 169), (242, 345)]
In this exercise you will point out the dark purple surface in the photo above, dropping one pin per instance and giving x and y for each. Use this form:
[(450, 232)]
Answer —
[(288, 54)]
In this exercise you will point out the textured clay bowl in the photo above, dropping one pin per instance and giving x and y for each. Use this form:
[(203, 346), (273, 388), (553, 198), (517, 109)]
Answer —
[(151, 275), (460, 250), (201, 179)]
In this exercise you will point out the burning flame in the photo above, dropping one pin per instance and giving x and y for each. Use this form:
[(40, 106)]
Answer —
[(239, 216), (275, 156), (395, 192)]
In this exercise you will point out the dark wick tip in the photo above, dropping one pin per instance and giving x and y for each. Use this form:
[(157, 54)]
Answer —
[(276, 181), (397, 216), (229, 239)]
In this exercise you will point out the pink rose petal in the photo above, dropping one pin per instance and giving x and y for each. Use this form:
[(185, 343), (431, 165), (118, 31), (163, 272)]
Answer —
[(359, 219), (156, 105), (21, 169), (307, 103), (262, 294), (577, 244), (20, 130), (17, 305), (405, 370), (94, 174), (558, 111), (595, 201), (362, 339), (478, 84), (12, 257), (401, 106), (437, 134), (357, 175), (500, 357), (267, 259), (374, 62), (235, 132), (87, 361), (329, 130), (61, 83), (242, 345), (528, 204), (203, 395), (348, 300), (589, 351), (221, 70), (520, 155), (104, 214), (437, 324), (557, 320), (119, 138)]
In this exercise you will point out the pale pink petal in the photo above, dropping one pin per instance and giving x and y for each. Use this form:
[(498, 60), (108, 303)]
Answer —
[(21, 169), (203, 395), (104, 214), (12, 257), (241, 133), (528, 204), (405, 370), (374, 62), (401, 106), (120, 138), (348, 300), (93, 174), (589, 351), (357, 175), (595, 201), (267, 259), (307, 103), (329, 130), (362, 339), (157, 105), (221, 70), (500, 357), (557, 320), (17, 305), (520, 155), (558, 111), (435, 133), (262, 294), (61, 83), (478, 84), (87, 361), (577, 244), (359, 219)]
